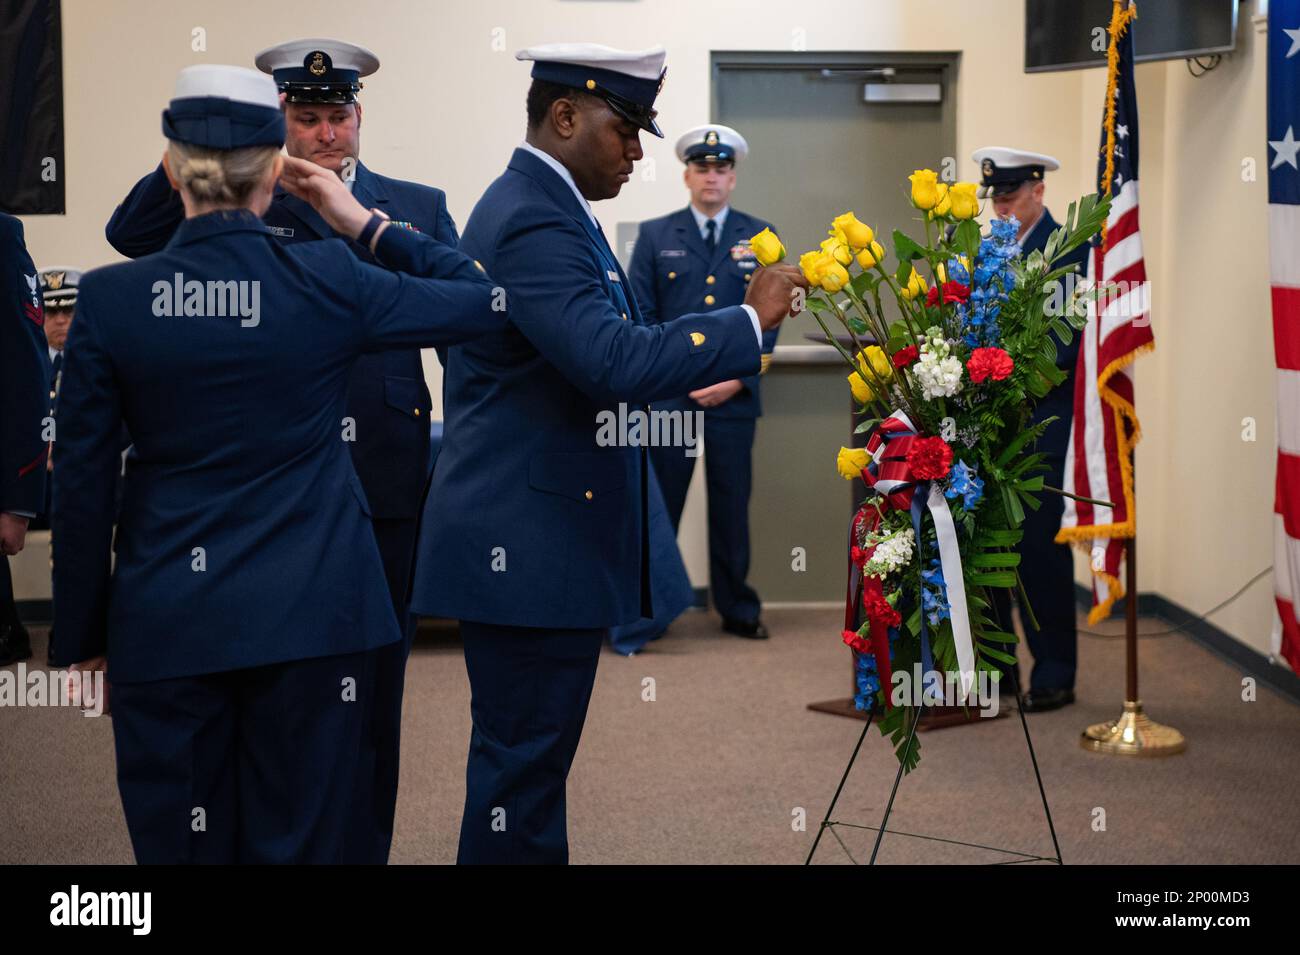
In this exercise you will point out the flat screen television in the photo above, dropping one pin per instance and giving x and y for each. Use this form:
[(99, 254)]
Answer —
[(1059, 34)]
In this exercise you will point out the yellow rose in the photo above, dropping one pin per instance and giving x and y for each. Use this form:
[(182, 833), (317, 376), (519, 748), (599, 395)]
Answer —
[(868, 257), (835, 276), (837, 248), (925, 188), (944, 205), (965, 204), (915, 286), (873, 359), (851, 461), (857, 234), (811, 264), (861, 390), (767, 247)]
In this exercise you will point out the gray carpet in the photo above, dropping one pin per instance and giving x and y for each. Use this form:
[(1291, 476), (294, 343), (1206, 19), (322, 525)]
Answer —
[(716, 768)]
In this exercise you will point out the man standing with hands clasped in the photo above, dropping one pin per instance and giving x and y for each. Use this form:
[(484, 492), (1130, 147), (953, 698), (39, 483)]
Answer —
[(534, 532), (698, 258)]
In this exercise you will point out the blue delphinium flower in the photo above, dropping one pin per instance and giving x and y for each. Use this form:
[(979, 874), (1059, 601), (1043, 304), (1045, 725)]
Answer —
[(934, 593), (963, 482), (991, 281)]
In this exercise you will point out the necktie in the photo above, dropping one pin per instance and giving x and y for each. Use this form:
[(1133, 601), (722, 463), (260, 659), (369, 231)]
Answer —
[(58, 364), (711, 234)]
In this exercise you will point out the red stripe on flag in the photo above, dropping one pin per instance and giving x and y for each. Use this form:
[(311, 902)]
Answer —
[(1286, 327), (1290, 633), (1286, 500), (1125, 226)]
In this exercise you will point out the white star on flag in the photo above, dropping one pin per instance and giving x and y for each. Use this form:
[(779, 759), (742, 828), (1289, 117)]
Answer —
[(1295, 42), (1286, 147), (1121, 131)]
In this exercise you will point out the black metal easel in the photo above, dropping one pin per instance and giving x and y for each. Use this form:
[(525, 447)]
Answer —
[(828, 824)]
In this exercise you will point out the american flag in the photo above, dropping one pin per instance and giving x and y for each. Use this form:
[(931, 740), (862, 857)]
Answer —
[(1098, 460), (1284, 246)]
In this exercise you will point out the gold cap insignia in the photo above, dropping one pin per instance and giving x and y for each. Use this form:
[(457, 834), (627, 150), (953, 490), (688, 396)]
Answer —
[(591, 84), (54, 280), (697, 338), (711, 138), (317, 65), (987, 167)]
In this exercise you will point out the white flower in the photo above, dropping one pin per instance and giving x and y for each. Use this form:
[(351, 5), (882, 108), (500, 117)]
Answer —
[(891, 553), (938, 377)]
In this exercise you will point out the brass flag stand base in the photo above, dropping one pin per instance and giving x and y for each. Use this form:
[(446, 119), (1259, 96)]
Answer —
[(1133, 734)]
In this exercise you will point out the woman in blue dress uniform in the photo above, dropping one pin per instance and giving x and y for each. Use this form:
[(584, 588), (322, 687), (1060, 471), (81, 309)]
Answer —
[(240, 622)]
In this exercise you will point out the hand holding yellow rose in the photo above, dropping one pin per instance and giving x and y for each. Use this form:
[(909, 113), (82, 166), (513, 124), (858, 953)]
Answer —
[(767, 248)]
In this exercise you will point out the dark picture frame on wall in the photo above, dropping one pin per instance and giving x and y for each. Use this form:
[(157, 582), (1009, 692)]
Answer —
[(31, 107)]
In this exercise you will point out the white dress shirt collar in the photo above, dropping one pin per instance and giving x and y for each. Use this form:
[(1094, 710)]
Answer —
[(563, 172), (701, 219)]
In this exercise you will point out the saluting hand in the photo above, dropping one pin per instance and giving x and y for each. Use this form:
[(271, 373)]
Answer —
[(774, 292), (324, 190)]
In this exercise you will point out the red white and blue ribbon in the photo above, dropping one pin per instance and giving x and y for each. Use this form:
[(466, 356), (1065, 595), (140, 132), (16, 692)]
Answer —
[(890, 475)]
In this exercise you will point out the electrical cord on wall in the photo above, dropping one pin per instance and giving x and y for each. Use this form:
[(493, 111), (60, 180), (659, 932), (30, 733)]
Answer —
[(1163, 633)]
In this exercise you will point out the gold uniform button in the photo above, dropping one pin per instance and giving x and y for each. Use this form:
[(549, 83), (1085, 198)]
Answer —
[(591, 84), (672, 275), (51, 394), (416, 412), (710, 280), (625, 316), (748, 276), (708, 300), (587, 495)]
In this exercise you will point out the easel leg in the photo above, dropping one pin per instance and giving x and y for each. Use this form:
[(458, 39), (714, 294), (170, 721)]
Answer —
[(1037, 775), (889, 807), (839, 789)]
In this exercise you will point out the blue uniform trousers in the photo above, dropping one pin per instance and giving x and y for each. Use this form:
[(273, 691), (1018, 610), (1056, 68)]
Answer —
[(1047, 570), (728, 467), (530, 691), (272, 755), (383, 730)]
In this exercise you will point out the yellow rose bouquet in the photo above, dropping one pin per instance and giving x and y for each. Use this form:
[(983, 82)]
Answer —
[(946, 384)]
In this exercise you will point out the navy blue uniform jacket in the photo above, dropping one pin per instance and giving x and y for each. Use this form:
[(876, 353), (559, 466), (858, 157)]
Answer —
[(520, 467), (387, 396), (671, 268), (1058, 402), (24, 376), (239, 449)]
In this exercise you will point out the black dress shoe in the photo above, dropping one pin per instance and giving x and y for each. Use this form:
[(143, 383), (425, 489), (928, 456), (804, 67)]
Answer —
[(15, 644), (1040, 701), (750, 629)]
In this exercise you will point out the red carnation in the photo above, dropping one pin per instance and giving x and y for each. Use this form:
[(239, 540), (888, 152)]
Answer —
[(905, 356), (929, 458), (955, 292), (879, 612), (952, 292), (857, 643), (989, 363)]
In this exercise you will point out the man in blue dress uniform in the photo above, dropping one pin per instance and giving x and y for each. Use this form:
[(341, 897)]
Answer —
[(699, 259), (1014, 179), (24, 384), (242, 617), (535, 530), (388, 400)]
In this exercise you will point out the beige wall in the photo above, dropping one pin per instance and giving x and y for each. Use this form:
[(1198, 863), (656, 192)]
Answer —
[(447, 108)]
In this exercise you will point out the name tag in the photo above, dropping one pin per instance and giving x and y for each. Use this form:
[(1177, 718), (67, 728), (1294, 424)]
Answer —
[(613, 276), (671, 253), (747, 264), (281, 231)]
